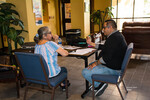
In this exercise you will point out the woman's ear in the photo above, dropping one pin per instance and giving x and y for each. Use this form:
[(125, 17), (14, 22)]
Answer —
[(44, 36)]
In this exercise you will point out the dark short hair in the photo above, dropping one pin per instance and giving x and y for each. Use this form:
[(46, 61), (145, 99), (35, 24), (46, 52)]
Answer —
[(112, 23)]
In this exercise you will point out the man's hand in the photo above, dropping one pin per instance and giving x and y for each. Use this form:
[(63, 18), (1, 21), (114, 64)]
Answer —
[(88, 40), (92, 65)]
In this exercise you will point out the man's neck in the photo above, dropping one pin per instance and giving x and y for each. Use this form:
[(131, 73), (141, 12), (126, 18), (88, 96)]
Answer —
[(113, 31)]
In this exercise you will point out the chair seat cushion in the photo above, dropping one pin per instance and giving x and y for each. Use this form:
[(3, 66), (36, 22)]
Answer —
[(53, 81), (106, 78), (57, 79)]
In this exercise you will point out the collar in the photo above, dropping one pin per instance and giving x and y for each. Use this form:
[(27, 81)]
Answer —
[(112, 33), (42, 42)]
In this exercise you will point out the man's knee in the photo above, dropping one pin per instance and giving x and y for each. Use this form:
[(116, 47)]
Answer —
[(84, 71)]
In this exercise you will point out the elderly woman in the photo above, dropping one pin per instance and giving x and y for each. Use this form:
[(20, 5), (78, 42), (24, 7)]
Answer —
[(49, 50)]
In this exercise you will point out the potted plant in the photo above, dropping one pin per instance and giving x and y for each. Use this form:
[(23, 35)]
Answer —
[(98, 17), (11, 26)]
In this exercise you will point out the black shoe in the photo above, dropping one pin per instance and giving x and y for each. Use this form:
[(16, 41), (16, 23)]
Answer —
[(100, 86), (100, 90), (64, 87)]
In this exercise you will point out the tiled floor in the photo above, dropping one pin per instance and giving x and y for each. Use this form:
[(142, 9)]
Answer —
[(136, 78)]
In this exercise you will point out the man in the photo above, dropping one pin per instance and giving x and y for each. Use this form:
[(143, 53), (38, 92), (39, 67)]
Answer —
[(110, 58)]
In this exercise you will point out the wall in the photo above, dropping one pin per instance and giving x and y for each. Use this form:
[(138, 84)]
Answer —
[(100, 5), (58, 18), (77, 15), (52, 16), (79, 18), (25, 9)]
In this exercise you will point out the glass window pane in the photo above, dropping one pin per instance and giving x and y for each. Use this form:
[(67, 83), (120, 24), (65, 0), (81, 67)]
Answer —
[(114, 5), (120, 23), (142, 10), (125, 8), (142, 20)]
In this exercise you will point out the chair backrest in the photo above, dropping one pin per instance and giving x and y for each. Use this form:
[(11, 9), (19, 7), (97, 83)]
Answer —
[(126, 59), (33, 67)]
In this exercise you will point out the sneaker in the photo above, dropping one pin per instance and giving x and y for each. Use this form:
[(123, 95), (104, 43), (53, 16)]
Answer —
[(97, 88), (90, 87), (101, 89)]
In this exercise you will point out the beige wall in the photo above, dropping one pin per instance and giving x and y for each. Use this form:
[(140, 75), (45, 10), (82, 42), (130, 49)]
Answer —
[(1, 1), (101, 5), (77, 15), (25, 9), (79, 18)]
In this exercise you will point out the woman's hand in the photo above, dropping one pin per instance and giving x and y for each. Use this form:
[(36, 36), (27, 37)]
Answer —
[(55, 37)]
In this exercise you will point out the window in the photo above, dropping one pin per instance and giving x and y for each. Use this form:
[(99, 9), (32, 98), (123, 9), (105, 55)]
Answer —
[(130, 10)]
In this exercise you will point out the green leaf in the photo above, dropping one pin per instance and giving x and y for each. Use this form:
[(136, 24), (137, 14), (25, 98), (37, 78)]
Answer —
[(20, 40), (11, 34), (9, 19), (6, 6), (20, 31)]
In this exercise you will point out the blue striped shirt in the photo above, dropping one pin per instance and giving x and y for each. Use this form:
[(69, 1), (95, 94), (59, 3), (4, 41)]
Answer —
[(48, 51)]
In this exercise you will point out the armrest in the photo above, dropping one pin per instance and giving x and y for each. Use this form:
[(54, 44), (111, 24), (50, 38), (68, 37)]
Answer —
[(10, 66)]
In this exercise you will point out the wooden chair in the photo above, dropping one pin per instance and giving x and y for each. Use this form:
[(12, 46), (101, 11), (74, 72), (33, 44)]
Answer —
[(8, 72)]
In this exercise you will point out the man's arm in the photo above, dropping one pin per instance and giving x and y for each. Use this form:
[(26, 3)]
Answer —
[(88, 40)]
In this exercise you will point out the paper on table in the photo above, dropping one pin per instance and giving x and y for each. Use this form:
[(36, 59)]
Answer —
[(70, 47), (82, 51)]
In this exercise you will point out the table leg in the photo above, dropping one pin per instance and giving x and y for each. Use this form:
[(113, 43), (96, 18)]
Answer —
[(87, 83), (96, 55)]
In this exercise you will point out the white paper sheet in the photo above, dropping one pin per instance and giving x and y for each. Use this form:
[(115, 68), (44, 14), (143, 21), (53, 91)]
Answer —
[(82, 51), (70, 47)]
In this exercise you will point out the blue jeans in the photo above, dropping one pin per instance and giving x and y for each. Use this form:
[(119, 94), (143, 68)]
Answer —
[(99, 69)]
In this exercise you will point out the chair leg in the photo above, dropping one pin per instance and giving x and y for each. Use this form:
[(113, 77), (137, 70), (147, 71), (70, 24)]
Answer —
[(43, 88), (53, 92), (119, 91), (17, 85), (25, 94), (93, 89), (124, 86), (18, 88), (66, 88)]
